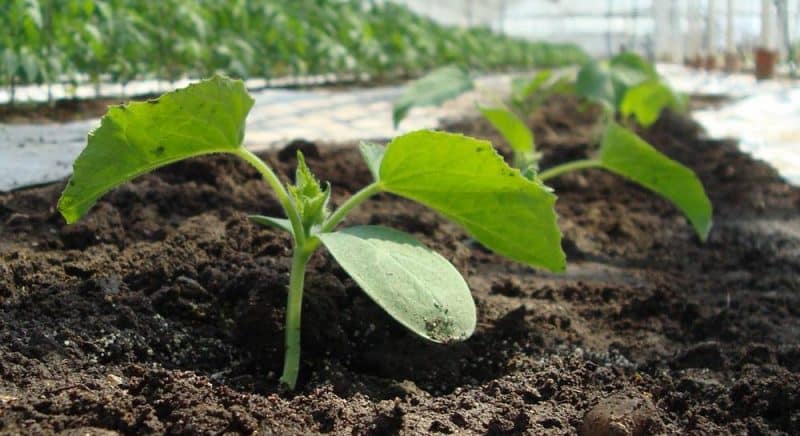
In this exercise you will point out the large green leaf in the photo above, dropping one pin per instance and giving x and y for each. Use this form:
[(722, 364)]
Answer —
[(466, 180), (515, 132), (624, 153), (415, 285), (646, 101), (434, 88), (135, 138)]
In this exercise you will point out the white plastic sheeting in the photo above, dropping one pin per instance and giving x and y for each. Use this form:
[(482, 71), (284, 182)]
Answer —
[(763, 116)]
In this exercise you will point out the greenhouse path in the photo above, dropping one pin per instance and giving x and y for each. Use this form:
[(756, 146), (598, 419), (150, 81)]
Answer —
[(32, 154), (763, 115)]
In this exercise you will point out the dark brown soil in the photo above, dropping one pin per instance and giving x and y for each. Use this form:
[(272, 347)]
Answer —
[(162, 311), (62, 110), (75, 109)]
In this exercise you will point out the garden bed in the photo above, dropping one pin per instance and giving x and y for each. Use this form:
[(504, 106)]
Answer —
[(162, 310)]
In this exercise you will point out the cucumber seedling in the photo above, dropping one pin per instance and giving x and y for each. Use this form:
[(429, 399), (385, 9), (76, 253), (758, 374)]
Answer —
[(628, 85), (462, 178)]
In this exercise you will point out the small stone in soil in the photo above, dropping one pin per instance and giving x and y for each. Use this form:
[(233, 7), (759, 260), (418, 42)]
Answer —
[(625, 413)]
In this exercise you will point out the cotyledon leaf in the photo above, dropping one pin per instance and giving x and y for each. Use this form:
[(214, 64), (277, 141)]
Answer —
[(412, 283), (434, 88), (624, 153), (466, 180), (135, 138), (515, 132)]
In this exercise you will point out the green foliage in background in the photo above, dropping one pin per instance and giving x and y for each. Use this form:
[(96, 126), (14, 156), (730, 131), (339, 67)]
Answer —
[(629, 85), (47, 41)]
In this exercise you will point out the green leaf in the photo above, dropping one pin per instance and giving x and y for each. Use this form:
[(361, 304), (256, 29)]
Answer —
[(632, 63), (415, 285), (606, 82), (514, 130), (432, 89), (466, 180), (524, 87), (277, 223), (646, 101), (624, 153), (373, 155), (595, 83), (133, 139)]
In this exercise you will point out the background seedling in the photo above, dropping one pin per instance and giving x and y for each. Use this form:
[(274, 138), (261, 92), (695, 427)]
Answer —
[(462, 178), (625, 85), (629, 85)]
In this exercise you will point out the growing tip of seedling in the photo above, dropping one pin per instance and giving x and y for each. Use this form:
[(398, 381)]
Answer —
[(310, 198)]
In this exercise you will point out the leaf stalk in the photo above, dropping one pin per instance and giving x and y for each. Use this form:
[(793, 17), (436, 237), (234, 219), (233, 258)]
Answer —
[(283, 197), (356, 199), (569, 166)]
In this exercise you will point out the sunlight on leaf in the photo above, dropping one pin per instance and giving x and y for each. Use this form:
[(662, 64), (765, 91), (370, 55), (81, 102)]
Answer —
[(135, 138), (466, 180)]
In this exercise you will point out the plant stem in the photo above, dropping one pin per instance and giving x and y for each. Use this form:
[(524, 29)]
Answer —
[(357, 198), (569, 166), (280, 192), (294, 304)]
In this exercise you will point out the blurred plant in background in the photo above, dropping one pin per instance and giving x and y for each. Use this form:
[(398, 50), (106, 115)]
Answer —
[(74, 41)]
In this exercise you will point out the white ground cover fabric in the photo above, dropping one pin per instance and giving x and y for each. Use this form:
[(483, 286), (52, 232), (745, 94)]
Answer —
[(764, 116)]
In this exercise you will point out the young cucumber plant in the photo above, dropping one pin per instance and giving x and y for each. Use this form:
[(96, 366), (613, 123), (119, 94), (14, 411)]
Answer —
[(462, 178), (627, 84)]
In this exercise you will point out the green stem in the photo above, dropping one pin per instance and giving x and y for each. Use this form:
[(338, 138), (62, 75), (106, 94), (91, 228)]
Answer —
[(280, 192), (294, 304), (569, 166), (357, 198)]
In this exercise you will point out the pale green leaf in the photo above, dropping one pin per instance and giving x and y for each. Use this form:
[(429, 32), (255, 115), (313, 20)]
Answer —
[(133, 139), (372, 154), (277, 223), (415, 285), (624, 153), (514, 130), (466, 180), (434, 88)]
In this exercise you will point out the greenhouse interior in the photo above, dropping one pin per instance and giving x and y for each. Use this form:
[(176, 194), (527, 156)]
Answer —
[(400, 217)]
